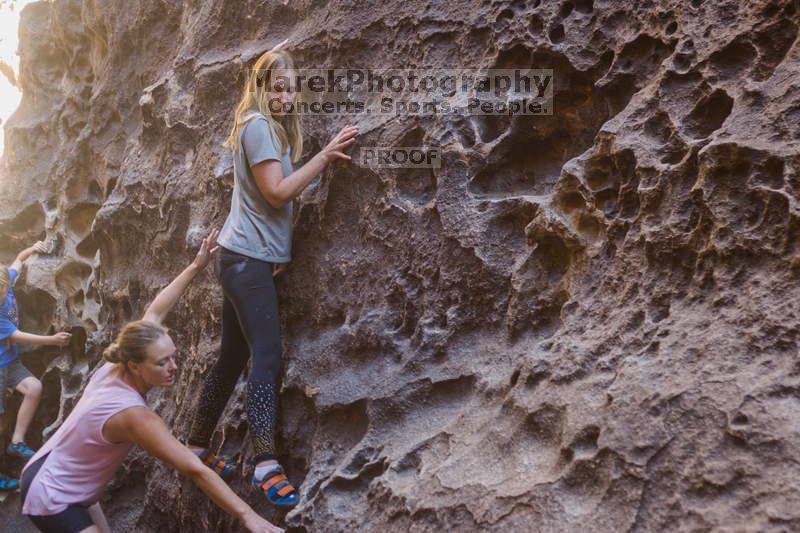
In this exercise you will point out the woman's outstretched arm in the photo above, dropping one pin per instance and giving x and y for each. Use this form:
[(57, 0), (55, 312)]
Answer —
[(145, 428), (37, 248), (165, 299), (278, 190)]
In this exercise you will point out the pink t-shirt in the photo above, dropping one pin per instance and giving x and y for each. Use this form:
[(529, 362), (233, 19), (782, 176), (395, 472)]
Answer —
[(81, 460)]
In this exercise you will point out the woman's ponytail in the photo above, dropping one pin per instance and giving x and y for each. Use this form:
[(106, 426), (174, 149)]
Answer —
[(111, 354)]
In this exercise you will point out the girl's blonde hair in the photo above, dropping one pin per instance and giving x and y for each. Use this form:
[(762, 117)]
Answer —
[(255, 99), (5, 280), (132, 342)]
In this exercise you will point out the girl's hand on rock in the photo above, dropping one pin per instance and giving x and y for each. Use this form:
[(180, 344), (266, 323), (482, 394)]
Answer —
[(39, 248), (61, 338), (335, 149)]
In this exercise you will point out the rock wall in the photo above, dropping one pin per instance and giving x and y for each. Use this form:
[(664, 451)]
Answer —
[(579, 322)]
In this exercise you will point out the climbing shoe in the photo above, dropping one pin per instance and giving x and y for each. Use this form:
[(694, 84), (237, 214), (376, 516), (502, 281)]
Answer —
[(220, 466), (20, 450), (276, 488), (8, 484)]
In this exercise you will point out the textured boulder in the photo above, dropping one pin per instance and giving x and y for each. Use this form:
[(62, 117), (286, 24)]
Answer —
[(586, 321)]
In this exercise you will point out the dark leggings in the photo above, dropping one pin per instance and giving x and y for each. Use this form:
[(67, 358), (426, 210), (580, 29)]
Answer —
[(250, 328), (73, 519)]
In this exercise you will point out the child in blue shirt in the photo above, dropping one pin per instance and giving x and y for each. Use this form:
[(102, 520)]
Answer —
[(13, 374)]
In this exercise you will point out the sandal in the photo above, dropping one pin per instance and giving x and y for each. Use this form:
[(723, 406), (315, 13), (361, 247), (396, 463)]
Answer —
[(8, 484), (276, 488), (218, 465)]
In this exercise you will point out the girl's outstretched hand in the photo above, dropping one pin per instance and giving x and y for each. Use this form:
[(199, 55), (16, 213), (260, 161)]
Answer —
[(335, 149), (39, 248), (207, 250)]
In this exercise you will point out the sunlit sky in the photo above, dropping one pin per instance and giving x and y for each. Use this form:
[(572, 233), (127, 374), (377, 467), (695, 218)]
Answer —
[(9, 26)]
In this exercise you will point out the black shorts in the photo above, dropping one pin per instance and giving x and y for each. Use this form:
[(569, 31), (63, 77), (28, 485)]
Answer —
[(73, 519)]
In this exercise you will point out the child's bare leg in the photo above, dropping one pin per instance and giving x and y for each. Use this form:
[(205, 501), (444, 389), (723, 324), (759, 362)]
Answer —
[(31, 390)]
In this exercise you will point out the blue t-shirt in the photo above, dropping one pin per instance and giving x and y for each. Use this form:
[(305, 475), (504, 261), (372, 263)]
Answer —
[(9, 322)]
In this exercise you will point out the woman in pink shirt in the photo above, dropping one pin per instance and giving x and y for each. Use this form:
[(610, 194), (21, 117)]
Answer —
[(62, 484)]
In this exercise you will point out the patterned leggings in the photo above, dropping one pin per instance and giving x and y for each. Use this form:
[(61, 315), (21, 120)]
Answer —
[(250, 328)]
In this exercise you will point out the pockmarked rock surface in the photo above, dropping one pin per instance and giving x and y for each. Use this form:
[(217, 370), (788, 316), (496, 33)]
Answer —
[(580, 322)]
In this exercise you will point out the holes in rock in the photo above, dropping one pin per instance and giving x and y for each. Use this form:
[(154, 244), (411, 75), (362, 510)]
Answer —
[(529, 157), (514, 378), (80, 218), (523, 165), (613, 169), (585, 442), (110, 186), (709, 114), (416, 185), (632, 68), (490, 127), (27, 226), (734, 59), (402, 317), (659, 310), (507, 225), (584, 6), (606, 201), (77, 343), (534, 378), (87, 247), (505, 16), (95, 192), (537, 295), (644, 50), (697, 3), (566, 9), (556, 34), (462, 130), (671, 28), (571, 201), (536, 25), (759, 212), (554, 257), (37, 310), (682, 62), (659, 128), (613, 177), (589, 225), (71, 276), (773, 43), (770, 173), (75, 304), (91, 293), (567, 455), (740, 419), (545, 423), (342, 427), (771, 9)]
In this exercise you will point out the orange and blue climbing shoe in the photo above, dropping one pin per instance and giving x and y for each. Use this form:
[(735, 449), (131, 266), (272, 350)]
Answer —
[(276, 488), (218, 465)]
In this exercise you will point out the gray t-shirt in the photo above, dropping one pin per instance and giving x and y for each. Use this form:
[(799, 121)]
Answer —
[(254, 228)]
